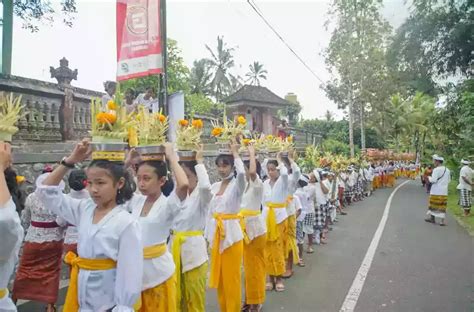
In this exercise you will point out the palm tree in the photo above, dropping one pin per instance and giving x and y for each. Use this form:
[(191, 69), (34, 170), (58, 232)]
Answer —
[(256, 73), (201, 77), (221, 61)]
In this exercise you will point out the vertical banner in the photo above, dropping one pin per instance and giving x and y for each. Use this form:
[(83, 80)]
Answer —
[(175, 113), (138, 39)]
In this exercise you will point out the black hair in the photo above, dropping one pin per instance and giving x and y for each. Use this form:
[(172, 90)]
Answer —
[(259, 166), (159, 166), (17, 195), (272, 162), (130, 91), (161, 170), (227, 160), (302, 183), (190, 164), (117, 172), (77, 180), (168, 187)]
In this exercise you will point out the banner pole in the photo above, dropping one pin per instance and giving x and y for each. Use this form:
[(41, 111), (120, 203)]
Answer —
[(164, 77)]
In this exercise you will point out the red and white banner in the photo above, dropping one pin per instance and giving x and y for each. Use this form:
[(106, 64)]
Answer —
[(138, 39)]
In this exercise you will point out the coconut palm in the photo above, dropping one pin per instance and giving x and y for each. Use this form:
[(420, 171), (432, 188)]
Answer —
[(256, 73), (201, 77), (221, 61)]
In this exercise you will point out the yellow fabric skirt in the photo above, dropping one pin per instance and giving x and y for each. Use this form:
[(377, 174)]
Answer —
[(275, 252), (161, 298), (291, 234), (229, 291), (193, 289), (391, 180), (254, 269)]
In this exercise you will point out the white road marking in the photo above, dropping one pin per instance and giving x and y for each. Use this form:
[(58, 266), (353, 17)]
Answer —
[(352, 297), (62, 284)]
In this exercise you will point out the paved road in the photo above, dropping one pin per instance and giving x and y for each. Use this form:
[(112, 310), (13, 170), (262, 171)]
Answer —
[(417, 266)]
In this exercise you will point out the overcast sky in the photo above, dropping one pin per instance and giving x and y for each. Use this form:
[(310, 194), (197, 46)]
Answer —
[(90, 44)]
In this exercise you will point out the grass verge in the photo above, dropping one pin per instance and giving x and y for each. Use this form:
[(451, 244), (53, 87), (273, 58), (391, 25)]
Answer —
[(456, 211)]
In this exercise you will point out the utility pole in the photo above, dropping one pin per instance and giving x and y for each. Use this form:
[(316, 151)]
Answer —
[(362, 128), (351, 119), (163, 81), (7, 37)]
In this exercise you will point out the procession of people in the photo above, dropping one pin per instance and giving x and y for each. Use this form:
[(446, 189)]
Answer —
[(141, 238)]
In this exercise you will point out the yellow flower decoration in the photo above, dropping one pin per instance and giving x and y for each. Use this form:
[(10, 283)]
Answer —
[(160, 117), (111, 105), (269, 137), (197, 123), (104, 118), (20, 179), (289, 139), (246, 142), (217, 132), (241, 120), (183, 122)]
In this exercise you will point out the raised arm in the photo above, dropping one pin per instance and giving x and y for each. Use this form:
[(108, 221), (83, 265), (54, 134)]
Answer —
[(283, 172), (204, 183), (5, 161), (182, 182), (128, 284), (239, 169), (294, 166), (253, 162), (80, 153)]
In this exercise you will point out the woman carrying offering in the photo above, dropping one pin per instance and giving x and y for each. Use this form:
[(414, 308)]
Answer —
[(223, 230), (255, 237), (156, 213), (275, 192), (106, 274), (187, 242), (291, 252)]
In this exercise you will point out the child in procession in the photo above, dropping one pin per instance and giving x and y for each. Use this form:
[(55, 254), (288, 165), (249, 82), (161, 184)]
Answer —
[(255, 235), (156, 213), (275, 192), (187, 241), (223, 230), (106, 274)]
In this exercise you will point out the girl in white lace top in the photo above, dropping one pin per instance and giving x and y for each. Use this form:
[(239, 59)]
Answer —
[(39, 271)]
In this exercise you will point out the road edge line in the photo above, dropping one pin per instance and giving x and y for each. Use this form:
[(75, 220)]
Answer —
[(354, 292)]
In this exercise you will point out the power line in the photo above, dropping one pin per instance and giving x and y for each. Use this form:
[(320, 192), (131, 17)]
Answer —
[(259, 12)]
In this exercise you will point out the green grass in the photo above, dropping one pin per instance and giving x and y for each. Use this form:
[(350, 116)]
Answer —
[(455, 210)]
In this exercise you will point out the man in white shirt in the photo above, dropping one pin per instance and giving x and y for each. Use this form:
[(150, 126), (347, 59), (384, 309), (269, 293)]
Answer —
[(465, 187), (439, 191), (146, 99)]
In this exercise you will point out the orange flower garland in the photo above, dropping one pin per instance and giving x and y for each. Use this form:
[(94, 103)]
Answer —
[(217, 132), (183, 122), (197, 123), (106, 118)]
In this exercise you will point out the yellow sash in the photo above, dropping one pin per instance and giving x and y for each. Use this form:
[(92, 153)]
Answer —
[(72, 303), (178, 239), (3, 292), (272, 232), (244, 213), (215, 254), (155, 251)]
